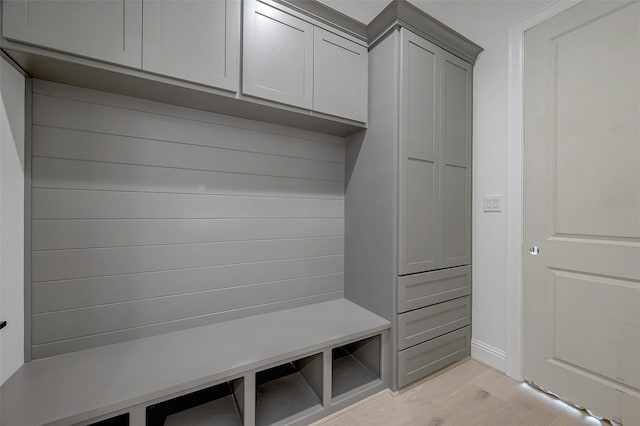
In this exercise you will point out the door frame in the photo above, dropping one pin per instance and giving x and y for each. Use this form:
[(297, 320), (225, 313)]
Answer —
[(515, 188)]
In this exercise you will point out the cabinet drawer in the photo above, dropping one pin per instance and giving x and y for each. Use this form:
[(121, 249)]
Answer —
[(420, 290), (427, 323), (421, 360)]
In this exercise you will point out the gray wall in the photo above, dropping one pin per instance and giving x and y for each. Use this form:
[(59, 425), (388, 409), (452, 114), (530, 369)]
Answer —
[(148, 218)]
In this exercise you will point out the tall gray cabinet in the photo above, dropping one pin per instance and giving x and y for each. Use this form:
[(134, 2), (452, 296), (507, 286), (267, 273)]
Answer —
[(408, 191)]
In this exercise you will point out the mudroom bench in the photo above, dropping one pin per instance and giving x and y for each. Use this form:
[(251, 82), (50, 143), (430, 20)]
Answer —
[(286, 367)]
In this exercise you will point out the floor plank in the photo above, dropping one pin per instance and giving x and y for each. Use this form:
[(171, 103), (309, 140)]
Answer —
[(466, 394)]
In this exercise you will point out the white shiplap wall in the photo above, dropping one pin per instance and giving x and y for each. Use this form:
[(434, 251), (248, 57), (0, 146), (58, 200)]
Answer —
[(149, 218)]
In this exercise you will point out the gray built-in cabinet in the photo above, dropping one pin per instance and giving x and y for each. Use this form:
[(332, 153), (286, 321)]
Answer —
[(408, 191), (109, 31), (434, 176), (288, 60), (154, 213), (277, 55), (297, 67), (340, 76), (193, 41)]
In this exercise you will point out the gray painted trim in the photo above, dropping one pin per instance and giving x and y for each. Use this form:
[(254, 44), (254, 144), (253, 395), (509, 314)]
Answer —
[(404, 14), (323, 13), (4, 55), (28, 113)]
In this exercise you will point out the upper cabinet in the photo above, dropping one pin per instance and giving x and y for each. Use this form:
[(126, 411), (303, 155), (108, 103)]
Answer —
[(287, 59), (106, 30), (193, 40), (289, 62), (435, 158), (277, 56), (339, 76)]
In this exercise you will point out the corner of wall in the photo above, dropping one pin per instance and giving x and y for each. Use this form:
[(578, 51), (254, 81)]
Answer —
[(489, 355)]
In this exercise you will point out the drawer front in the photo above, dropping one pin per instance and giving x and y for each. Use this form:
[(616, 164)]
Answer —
[(427, 323), (421, 360), (420, 290)]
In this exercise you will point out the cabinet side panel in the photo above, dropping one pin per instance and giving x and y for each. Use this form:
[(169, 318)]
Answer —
[(371, 199)]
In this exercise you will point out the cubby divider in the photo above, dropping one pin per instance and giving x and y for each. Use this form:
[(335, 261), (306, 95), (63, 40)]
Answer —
[(289, 391), (221, 404), (354, 366)]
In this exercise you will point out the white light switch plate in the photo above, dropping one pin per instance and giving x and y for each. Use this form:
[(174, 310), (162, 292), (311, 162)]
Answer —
[(492, 203)]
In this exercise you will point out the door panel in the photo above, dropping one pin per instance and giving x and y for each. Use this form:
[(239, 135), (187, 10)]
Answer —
[(420, 219), (340, 74), (455, 169), (194, 40), (455, 216), (582, 207), (106, 30), (419, 175), (574, 345), (457, 111), (597, 126), (277, 56)]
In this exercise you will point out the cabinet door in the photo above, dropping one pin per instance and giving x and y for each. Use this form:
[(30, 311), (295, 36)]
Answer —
[(106, 30), (455, 162), (277, 56), (418, 191), (193, 40), (339, 76)]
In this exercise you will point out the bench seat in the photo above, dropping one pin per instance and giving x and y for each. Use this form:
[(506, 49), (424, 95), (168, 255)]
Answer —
[(84, 385)]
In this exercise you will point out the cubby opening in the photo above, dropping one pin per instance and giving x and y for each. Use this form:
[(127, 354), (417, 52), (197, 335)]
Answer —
[(289, 391), (121, 420), (222, 405), (355, 366)]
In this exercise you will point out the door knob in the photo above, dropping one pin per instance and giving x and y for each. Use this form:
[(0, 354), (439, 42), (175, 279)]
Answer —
[(534, 251)]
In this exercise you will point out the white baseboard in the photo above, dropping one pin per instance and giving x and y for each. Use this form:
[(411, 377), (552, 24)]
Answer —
[(490, 355)]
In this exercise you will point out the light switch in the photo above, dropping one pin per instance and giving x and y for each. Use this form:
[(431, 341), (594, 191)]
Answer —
[(492, 203)]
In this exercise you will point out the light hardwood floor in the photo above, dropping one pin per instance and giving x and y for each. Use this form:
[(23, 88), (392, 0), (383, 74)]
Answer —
[(466, 394)]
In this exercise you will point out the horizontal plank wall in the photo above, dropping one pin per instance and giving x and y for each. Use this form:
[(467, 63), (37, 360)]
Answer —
[(149, 218)]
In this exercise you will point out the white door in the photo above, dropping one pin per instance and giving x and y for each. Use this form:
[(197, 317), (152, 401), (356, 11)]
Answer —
[(582, 208)]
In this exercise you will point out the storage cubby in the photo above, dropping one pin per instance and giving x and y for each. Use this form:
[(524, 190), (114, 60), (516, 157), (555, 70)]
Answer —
[(289, 391), (220, 405), (121, 420), (354, 366)]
